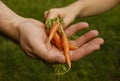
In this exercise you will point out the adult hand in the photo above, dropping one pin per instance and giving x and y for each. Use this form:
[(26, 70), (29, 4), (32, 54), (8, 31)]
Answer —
[(32, 38), (31, 35)]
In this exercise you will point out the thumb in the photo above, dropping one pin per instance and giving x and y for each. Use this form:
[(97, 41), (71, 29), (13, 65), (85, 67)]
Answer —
[(50, 15), (67, 21)]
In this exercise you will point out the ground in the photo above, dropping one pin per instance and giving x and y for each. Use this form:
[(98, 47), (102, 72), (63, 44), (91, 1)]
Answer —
[(102, 65)]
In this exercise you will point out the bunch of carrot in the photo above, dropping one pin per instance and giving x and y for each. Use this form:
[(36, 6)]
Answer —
[(57, 36)]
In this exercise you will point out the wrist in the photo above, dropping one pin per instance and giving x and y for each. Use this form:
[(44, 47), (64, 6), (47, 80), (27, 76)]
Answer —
[(14, 28), (9, 21), (9, 26), (77, 8)]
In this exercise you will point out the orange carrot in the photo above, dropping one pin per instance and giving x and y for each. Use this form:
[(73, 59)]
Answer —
[(66, 49), (53, 29), (72, 47), (57, 40)]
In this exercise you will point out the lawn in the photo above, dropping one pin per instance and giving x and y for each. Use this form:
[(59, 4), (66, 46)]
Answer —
[(102, 65)]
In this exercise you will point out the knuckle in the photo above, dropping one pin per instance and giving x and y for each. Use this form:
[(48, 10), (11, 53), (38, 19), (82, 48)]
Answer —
[(53, 9), (95, 32), (97, 47), (45, 12)]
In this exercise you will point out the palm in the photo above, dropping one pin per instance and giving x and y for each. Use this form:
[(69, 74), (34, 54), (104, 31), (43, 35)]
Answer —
[(33, 38)]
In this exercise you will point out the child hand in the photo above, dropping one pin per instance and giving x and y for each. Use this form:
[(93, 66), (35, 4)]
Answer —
[(65, 13)]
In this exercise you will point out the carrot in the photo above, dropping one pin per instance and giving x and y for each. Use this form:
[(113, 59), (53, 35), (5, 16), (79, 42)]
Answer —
[(65, 46), (66, 49), (53, 29), (72, 47), (57, 40)]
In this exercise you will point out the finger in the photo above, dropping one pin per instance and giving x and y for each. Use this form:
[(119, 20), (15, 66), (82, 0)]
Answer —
[(51, 14), (82, 52), (99, 41), (87, 49), (27, 49), (67, 21), (56, 55), (31, 55), (86, 37), (45, 15), (74, 28), (53, 55)]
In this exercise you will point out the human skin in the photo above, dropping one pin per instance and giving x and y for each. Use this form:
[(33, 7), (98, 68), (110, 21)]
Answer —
[(81, 8), (31, 36)]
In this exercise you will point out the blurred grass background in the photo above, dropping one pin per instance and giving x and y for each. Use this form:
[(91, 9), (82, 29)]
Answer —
[(102, 65)]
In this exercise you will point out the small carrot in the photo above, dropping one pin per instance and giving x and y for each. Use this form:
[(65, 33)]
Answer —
[(66, 49), (65, 46), (57, 40), (72, 47), (53, 29)]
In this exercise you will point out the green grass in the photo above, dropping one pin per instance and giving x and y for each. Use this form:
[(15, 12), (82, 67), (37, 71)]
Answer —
[(102, 65)]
